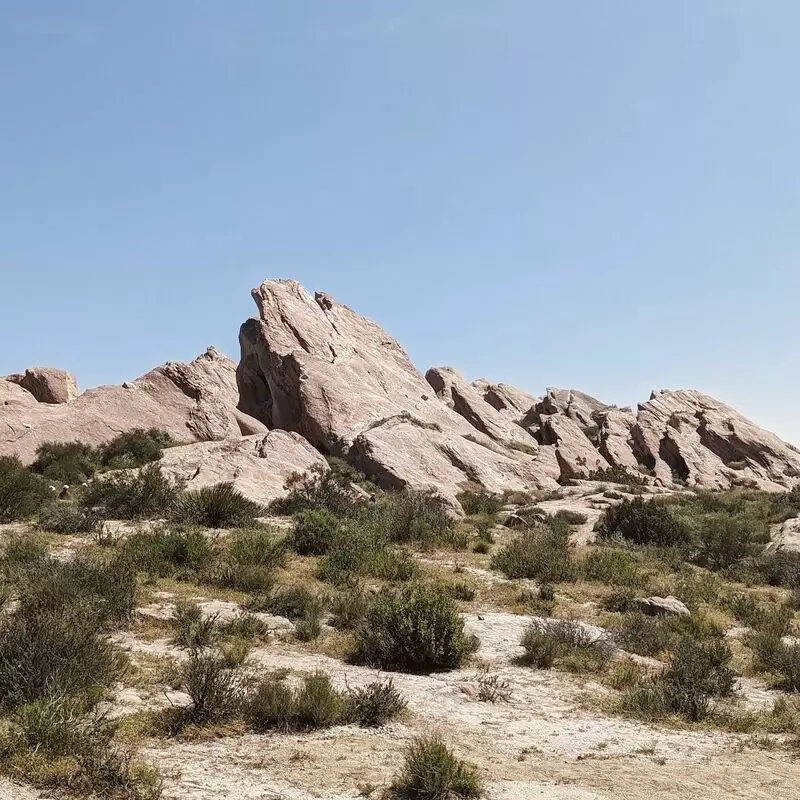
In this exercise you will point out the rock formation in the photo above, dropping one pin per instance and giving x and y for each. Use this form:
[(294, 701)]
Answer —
[(317, 378), (192, 402)]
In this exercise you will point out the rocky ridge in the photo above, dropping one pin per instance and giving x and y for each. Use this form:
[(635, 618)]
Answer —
[(317, 378)]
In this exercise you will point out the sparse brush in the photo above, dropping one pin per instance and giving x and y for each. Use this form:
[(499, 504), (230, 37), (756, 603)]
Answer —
[(643, 523), (492, 688), (374, 704), (541, 553), (414, 629), (193, 630), (168, 552), (479, 502), (615, 567), (432, 772), (571, 517), (146, 494), (68, 520), (460, 591), (314, 531), (214, 688), (134, 448), (22, 493), (565, 642), (349, 608), (218, 506), (319, 488)]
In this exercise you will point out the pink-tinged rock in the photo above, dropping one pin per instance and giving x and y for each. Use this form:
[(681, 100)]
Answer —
[(48, 384)]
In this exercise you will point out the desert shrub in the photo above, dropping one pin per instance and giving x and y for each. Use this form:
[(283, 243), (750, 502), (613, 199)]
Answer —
[(643, 635), (777, 657), (22, 555), (772, 621), (53, 745), (643, 523), (68, 519), (566, 643), (250, 560), (374, 704), (349, 608), (105, 589), (22, 493), (319, 488), (784, 505), (624, 674), (541, 649), (361, 549), (192, 630), (698, 671), (134, 448), (482, 547), (270, 707), (432, 772), (420, 518), (460, 591), (66, 462), (57, 651), (168, 552), (146, 494), (619, 599), (292, 601), (571, 517), (607, 565), (492, 688), (414, 629), (214, 688), (314, 531), (218, 506), (724, 541), (780, 568), (479, 502), (743, 607), (317, 704), (541, 553), (614, 474), (244, 626)]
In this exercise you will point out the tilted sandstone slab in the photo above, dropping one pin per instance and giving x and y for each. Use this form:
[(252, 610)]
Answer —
[(451, 387), (314, 366), (577, 457), (508, 400), (689, 436), (616, 441), (571, 403), (258, 466), (195, 401)]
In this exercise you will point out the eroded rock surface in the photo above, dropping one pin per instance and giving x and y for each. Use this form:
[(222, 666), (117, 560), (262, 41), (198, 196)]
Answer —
[(195, 401)]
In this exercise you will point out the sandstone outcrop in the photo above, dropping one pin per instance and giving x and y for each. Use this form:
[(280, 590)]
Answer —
[(258, 466), (314, 366), (195, 401)]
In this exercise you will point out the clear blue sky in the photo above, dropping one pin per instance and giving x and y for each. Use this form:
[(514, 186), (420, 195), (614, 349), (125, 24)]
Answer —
[(603, 195)]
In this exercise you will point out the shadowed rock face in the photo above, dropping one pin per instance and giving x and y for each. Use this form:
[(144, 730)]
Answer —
[(195, 401)]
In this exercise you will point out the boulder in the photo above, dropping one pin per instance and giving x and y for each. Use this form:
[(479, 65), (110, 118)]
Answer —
[(195, 401), (572, 403), (48, 385), (258, 465), (658, 606), (312, 365)]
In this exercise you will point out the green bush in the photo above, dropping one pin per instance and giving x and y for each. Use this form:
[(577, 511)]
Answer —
[(479, 502), (319, 488), (66, 462), (375, 704), (314, 531), (615, 567), (192, 630), (432, 772), (57, 651), (146, 494), (566, 643), (571, 517), (214, 688), (218, 506), (414, 629), (724, 541), (68, 519), (643, 635), (617, 475), (643, 523), (777, 657), (270, 707), (22, 493), (317, 704), (53, 745), (349, 608), (418, 518), (22, 555), (250, 560), (168, 552), (542, 553), (134, 448)]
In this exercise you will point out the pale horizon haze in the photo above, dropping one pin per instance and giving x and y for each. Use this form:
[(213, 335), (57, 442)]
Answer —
[(603, 196)]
